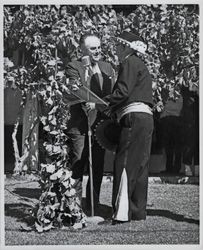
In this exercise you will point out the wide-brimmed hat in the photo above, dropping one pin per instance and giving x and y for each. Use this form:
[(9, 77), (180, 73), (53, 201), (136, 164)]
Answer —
[(134, 41), (107, 133), (130, 37)]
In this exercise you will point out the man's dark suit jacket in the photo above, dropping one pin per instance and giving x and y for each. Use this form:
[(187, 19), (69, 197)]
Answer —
[(75, 70), (134, 84)]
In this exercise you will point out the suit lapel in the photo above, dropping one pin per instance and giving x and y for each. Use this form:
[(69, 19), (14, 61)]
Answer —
[(94, 83)]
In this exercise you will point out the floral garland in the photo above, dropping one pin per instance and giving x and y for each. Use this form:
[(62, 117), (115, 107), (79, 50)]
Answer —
[(58, 205)]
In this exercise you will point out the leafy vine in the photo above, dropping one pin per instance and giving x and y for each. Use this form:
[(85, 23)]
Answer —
[(47, 38)]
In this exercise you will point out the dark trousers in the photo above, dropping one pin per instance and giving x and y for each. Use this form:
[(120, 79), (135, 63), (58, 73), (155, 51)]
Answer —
[(171, 136), (77, 157), (97, 169), (79, 154), (131, 167), (191, 144)]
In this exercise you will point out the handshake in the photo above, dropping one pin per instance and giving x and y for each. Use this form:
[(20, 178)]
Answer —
[(73, 85), (90, 101)]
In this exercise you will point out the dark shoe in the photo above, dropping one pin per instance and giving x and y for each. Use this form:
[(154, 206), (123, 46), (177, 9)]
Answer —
[(115, 222), (138, 218)]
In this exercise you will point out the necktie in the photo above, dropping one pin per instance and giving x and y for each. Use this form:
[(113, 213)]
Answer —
[(99, 79)]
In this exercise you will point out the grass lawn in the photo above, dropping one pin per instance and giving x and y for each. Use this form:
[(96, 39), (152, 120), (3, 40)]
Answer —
[(173, 218)]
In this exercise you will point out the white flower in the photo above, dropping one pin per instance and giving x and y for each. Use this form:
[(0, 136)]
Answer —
[(50, 168), (56, 149), (54, 132), (8, 62), (63, 28), (51, 194), (39, 228), (139, 46), (154, 85), (66, 184), (72, 181), (49, 101), (53, 121), (53, 110), (136, 45), (43, 120), (57, 175), (51, 78), (47, 128), (78, 226), (67, 174), (52, 63), (60, 74), (49, 88)]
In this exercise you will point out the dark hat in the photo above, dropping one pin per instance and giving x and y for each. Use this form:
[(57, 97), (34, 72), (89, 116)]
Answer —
[(132, 40), (107, 133), (130, 37)]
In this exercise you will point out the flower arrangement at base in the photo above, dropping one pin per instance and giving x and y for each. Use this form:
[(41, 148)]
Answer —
[(59, 205)]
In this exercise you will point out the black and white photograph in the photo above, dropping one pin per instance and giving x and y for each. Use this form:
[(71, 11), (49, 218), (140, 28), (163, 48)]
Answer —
[(100, 125)]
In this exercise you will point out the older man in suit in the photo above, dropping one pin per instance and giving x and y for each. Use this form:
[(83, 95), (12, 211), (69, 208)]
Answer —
[(101, 79)]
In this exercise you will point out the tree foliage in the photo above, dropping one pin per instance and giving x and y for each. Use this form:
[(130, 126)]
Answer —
[(47, 37), (171, 32)]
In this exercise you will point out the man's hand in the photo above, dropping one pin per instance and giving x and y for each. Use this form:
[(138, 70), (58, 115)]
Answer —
[(90, 106), (74, 85)]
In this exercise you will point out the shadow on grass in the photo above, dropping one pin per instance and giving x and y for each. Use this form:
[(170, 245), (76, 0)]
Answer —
[(171, 215), (20, 211), (32, 193)]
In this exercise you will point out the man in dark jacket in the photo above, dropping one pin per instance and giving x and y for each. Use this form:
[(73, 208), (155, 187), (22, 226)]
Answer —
[(171, 133), (131, 100), (190, 116), (101, 79)]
